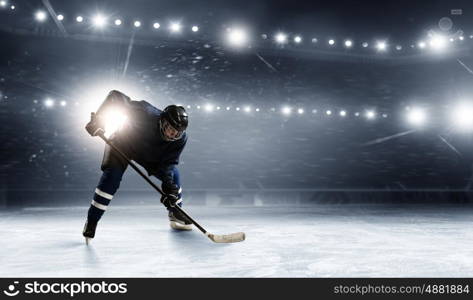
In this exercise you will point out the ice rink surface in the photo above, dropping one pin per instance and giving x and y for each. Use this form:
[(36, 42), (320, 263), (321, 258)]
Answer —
[(312, 241)]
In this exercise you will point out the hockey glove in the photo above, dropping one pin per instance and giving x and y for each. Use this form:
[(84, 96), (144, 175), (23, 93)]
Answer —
[(170, 188), (95, 125), (169, 200)]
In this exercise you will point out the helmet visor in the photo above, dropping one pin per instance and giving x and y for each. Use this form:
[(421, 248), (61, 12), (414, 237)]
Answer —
[(169, 133)]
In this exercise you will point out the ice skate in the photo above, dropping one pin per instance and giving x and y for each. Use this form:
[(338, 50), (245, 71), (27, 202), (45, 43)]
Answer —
[(178, 221), (89, 231)]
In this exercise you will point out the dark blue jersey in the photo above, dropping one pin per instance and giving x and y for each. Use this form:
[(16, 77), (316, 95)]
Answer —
[(142, 140)]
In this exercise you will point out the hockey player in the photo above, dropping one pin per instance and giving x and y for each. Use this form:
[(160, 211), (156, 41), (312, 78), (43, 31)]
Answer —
[(152, 138)]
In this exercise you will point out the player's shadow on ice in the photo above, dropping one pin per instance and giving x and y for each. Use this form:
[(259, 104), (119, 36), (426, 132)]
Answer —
[(87, 252), (90, 257), (70, 244)]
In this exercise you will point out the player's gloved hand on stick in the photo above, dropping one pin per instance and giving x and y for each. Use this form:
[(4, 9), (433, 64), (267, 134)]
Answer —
[(169, 200), (171, 194), (170, 187), (95, 125)]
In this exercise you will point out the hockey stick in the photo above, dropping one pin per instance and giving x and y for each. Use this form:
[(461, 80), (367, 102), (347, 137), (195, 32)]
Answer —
[(224, 238)]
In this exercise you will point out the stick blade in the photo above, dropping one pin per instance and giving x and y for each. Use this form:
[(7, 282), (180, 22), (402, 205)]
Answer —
[(227, 238)]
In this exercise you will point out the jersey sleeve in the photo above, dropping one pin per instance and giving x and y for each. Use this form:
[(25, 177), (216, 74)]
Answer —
[(138, 109), (142, 110), (170, 160), (114, 99)]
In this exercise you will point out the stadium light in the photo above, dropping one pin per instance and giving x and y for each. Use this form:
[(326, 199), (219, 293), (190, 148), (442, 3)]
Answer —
[(438, 42), (331, 42), (398, 47), (49, 102), (286, 110), (365, 45), (343, 113), (348, 43), (416, 116), (60, 17), (99, 21), (237, 37), (40, 16), (370, 114), (381, 46), (281, 38), (328, 112), (297, 39), (114, 121), (79, 19), (63, 103), (118, 22), (209, 107), (247, 109), (137, 24), (175, 27), (300, 111), (462, 116), (156, 25), (421, 44), (195, 28), (3, 3)]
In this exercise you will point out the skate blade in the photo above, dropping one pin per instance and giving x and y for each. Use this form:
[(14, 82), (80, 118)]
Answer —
[(87, 241), (179, 226)]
